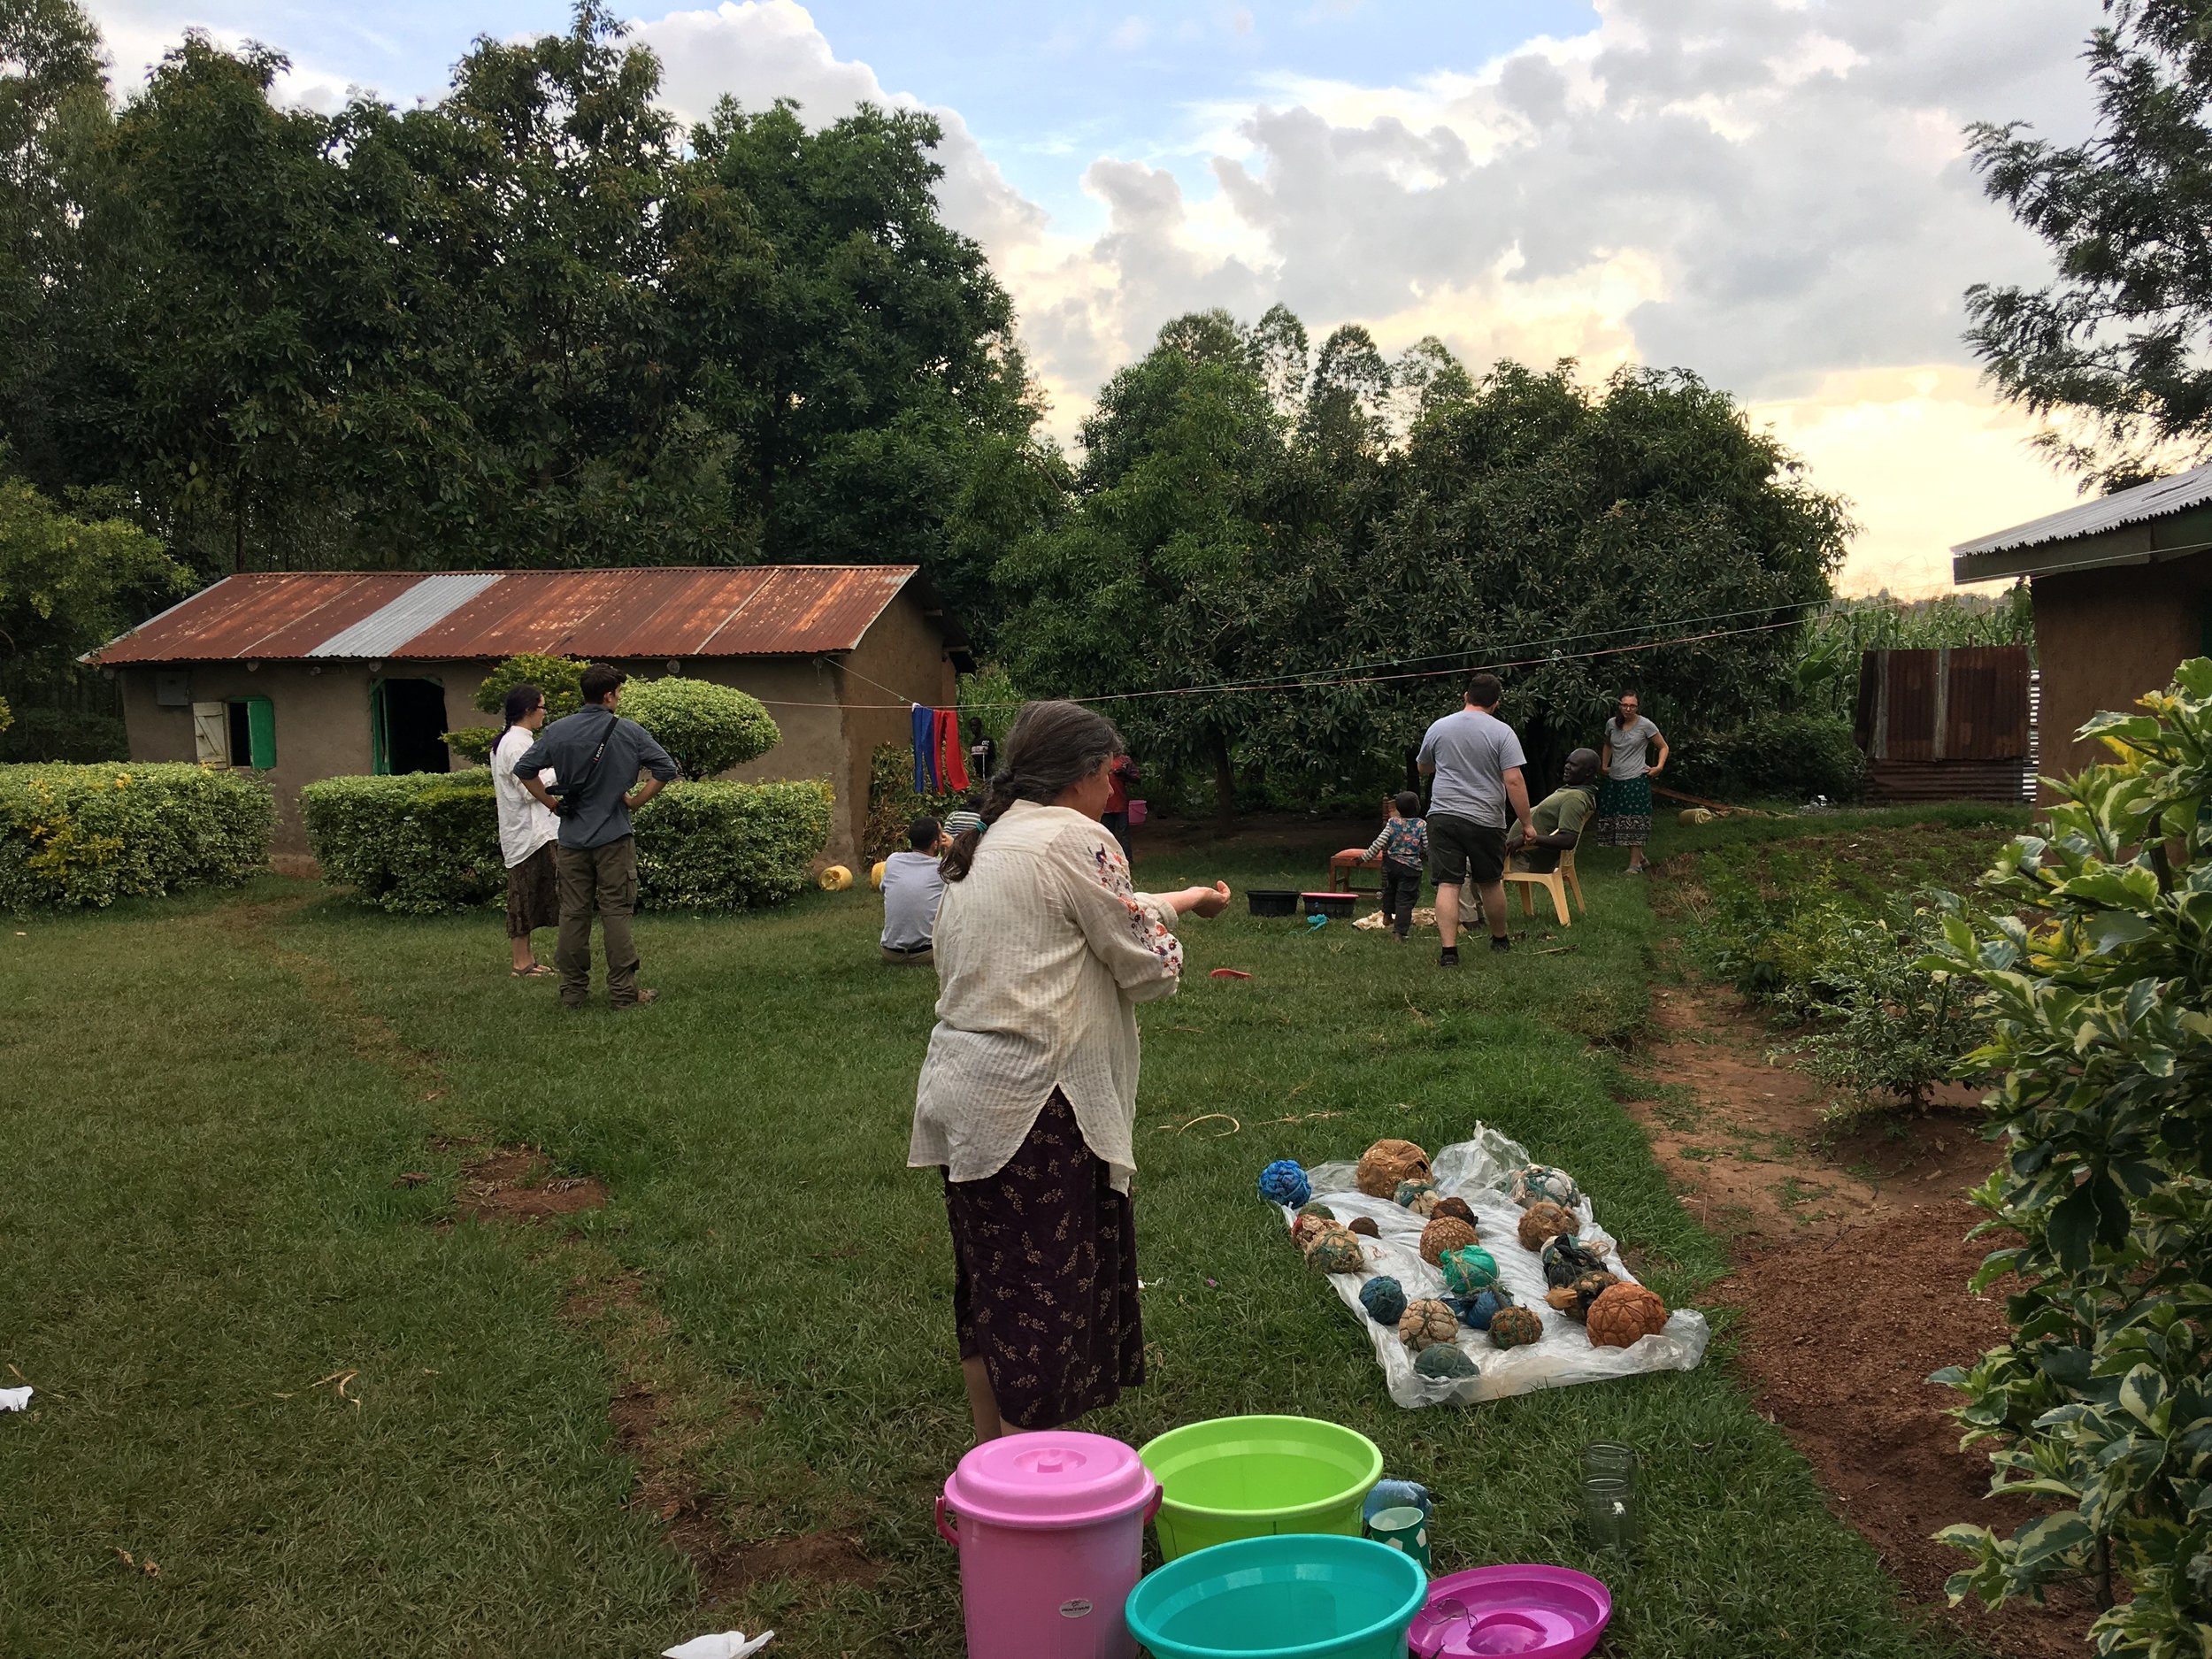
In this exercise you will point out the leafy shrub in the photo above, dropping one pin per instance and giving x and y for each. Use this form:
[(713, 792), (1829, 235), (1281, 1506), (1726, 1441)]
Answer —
[(705, 727), (413, 844), (892, 802), (429, 842), (1803, 940), (73, 836), (729, 846), (2097, 977), (1889, 1027), (1790, 756), (559, 678)]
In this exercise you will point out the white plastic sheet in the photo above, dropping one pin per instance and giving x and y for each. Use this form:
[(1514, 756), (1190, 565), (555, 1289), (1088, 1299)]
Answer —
[(1480, 1171)]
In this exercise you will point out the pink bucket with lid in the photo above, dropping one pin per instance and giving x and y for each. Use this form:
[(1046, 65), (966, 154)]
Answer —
[(1051, 1529)]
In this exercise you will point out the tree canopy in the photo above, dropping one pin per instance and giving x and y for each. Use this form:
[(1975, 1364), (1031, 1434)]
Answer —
[(2116, 350), (1264, 566), (531, 323)]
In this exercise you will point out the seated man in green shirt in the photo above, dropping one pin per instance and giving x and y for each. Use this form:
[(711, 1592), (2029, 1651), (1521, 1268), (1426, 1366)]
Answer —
[(1559, 817)]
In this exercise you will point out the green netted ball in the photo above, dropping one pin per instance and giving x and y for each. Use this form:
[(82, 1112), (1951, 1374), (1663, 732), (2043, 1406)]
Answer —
[(1514, 1327), (1537, 1182), (1468, 1269), (1444, 1362), (1336, 1251), (1565, 1261), (1419, 1196), (1322, 1210), (1384, 1298)]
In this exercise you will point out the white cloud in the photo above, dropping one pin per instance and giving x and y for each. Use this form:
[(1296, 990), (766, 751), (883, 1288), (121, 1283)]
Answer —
[(1129, 34)]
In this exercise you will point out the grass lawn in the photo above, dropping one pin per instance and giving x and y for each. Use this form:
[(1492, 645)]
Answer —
[(339, 1425)]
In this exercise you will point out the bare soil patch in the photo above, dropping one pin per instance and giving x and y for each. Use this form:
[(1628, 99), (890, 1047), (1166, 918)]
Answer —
[(518, 1184), (1851, 1285)]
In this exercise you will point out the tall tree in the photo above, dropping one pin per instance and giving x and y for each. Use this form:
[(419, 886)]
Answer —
[(2117, 352), (53, 110), (1146, 586)]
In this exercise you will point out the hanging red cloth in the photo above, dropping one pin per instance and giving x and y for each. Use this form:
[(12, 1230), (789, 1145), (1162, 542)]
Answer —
[(952, 762)]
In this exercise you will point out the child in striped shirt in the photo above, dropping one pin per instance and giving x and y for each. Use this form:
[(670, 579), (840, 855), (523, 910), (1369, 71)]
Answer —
[(1403, 845)]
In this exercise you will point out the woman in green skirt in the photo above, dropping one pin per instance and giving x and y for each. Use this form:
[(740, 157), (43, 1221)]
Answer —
[(1625, 797)]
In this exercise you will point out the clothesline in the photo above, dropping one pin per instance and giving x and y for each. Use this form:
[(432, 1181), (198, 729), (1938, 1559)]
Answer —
[(1320, 678)]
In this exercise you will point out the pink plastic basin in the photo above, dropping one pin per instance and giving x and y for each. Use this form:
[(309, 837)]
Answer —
[(1050, 1530), (1530, 1612)]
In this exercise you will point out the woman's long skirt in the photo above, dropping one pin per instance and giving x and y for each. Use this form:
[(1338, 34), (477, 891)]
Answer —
[(1045, 1277), (1624, 813)]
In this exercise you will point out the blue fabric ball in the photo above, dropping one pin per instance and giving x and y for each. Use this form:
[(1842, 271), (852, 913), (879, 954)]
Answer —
[(1477, 1310), (1283, 1182), (1384, 1298)]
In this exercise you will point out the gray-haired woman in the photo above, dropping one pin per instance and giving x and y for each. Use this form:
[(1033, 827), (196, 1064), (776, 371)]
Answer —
[(1028, 1098)]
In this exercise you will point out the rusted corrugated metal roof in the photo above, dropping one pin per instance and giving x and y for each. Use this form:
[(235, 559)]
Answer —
[(748, 611)]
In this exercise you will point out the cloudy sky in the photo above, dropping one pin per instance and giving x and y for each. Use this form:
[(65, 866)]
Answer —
[(1769, 192)]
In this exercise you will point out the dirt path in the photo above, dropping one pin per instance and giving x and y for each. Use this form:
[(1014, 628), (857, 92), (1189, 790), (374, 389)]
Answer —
[(1851, 1277)]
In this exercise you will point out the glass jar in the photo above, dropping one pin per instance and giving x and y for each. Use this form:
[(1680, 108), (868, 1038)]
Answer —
[(1608, 1509)]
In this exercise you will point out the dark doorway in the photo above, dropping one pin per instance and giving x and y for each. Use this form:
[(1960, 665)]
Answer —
[(409, 721)]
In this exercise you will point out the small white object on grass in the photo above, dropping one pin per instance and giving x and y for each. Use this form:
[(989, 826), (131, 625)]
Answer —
[(731, 1644), (14, 1399)]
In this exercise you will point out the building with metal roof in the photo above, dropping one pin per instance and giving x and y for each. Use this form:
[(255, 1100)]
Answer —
[(309, 674), (2122, 589)]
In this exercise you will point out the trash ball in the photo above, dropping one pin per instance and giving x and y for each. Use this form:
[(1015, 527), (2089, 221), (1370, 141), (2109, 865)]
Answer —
[(1468, 1269), (1442, 1363), (1384, 1298), (1426, 1322), (1516, 1327)]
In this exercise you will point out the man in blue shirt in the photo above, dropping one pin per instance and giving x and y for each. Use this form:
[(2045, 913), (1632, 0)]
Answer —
[(596, 756), (1476, 761)]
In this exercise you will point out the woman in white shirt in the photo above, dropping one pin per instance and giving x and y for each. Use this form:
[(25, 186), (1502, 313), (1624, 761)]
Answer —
[(525, 833), (1028, 1097)]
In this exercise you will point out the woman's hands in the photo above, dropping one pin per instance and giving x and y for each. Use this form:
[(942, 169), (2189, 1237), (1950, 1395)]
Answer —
[(1206, 901)]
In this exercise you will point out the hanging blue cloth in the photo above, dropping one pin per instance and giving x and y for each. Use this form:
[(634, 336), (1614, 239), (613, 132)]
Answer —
[(924, 750)]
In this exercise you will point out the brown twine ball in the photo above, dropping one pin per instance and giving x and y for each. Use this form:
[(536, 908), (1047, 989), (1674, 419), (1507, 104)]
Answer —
[(1625, 1313), (1455, 1207), (1383, 1165), (1365, 1226), (1446, 1232), (1516, 1327), (1426, 1322), (1543, 1221)]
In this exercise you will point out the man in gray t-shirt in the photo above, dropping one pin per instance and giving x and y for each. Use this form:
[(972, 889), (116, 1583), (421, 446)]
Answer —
[(1476, 760)]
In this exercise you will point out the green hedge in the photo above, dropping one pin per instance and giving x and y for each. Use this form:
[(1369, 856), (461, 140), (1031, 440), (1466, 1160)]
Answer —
[(429, 842), (414, 844), (729, 846), (75, 835)]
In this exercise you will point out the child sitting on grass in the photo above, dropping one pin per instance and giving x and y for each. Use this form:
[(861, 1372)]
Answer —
[(1403, 845)]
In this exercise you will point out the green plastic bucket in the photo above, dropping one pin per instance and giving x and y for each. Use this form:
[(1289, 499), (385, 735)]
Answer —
[(1266, 1598), (1258, 1478)]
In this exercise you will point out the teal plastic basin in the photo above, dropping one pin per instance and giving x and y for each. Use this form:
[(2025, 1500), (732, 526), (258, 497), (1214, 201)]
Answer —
[(1258, 1477), (1314, 1596)]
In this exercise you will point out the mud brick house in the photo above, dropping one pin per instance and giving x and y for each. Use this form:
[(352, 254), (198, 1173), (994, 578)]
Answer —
[(312, 674), (2123, 590)]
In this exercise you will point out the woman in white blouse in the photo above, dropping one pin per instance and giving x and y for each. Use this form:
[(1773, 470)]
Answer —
[(1028, 1097), (525, 834)]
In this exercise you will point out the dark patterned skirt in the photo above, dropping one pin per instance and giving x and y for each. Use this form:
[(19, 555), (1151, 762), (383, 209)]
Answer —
[(1624, 813), (1045, 1277), (533, 894)]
